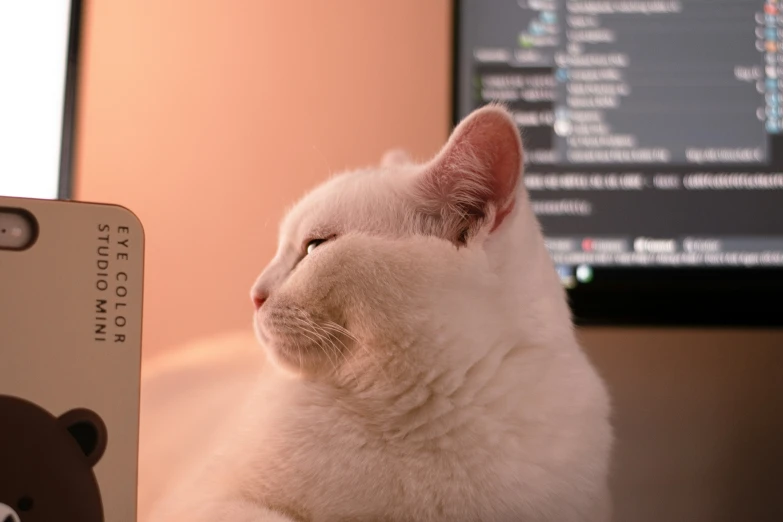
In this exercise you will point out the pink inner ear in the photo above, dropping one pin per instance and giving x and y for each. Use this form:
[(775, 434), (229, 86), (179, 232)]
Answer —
[(487, 148), (492, 136), (475, 174)]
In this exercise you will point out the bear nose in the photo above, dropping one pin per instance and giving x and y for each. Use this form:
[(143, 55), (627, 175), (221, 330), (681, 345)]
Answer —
[(7, 514)]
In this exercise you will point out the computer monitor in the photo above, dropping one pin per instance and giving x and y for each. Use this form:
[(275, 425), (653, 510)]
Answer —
[(654, 147), (39, 42)]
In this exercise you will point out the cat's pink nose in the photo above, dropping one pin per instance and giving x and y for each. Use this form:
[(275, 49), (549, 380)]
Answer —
[(258, 300)]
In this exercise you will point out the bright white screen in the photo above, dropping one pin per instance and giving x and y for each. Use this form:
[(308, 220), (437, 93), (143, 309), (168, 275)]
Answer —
[(33, 57)]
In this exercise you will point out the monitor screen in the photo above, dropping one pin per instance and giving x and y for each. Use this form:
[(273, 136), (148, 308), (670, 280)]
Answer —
[(36, 38), (653, 132)]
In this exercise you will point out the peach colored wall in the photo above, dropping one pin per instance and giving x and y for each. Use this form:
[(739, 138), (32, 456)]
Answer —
[(208, 118)]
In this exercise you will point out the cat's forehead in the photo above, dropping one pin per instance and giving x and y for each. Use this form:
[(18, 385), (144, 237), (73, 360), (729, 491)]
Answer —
[(353, 201)]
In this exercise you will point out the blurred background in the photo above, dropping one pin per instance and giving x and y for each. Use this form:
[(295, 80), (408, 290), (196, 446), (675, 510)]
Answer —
[(209, 118)]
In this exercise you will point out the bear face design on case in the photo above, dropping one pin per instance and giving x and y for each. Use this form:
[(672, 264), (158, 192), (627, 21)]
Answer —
[(47, 463)]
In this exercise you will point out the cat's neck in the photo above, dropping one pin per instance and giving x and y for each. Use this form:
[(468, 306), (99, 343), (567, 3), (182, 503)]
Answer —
[(534, 293), (422, 405), (404, 401)]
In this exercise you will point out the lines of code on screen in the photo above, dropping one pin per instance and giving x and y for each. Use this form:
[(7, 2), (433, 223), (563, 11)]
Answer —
[(652, 127)]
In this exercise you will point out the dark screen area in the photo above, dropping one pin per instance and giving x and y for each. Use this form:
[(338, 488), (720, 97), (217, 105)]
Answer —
[(652, 127)]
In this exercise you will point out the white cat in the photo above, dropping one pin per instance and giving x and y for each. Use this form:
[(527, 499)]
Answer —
[(424, 364)]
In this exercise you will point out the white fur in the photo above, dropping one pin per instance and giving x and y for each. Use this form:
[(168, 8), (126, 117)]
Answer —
[(414, 378)]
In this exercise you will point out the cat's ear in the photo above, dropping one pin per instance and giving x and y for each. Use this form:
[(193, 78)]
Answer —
[(472, 182), (395, 157)]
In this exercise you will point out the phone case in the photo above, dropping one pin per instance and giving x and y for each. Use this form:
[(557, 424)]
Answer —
[(70, 360)]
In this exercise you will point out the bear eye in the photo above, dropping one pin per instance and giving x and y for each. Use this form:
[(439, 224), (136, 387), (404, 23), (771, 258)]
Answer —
[(24, 504)]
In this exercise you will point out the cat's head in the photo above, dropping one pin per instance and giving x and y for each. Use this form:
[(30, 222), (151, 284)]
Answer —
[(386, 268)]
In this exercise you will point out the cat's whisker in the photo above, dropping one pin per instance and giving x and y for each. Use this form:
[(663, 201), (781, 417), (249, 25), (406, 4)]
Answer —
[(330, 325), (331, 340), (341, 329), (329, 329), (332, 337), (312, 328), (302, 326), (299, 350), (303, 322)]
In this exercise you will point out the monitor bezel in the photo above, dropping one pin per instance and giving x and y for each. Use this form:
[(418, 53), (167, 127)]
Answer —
[(654, 297), (67, 147)]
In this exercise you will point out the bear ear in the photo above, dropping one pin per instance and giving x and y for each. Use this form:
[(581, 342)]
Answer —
[(88, 430)]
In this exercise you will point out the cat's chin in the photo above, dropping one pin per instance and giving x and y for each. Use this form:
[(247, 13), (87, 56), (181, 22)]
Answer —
[(271, 348), (284, 358), (301, 342), (288, 355)]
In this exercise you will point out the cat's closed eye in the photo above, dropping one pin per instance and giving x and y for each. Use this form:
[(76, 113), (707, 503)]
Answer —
[(313, 244)]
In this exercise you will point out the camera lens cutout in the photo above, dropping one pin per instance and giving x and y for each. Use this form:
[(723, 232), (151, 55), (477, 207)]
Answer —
[(18, 229)]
